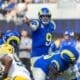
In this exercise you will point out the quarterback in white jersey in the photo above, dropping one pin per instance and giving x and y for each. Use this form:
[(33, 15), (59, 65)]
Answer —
[(13, 68)]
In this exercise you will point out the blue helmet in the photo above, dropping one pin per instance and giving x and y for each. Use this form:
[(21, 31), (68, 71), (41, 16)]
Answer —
[(67, 33), (44, 15), (70, 54), (72, 34), (12, 37)]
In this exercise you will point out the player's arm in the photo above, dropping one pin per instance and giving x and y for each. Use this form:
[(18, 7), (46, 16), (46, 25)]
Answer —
[(54, 70), (53, 73), (6, 61), (33, 24)]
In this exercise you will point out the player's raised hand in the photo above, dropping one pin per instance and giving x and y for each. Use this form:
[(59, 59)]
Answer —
[(34, 24)]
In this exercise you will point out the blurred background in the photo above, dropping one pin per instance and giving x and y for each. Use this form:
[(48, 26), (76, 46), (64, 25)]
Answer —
[(65, 13)]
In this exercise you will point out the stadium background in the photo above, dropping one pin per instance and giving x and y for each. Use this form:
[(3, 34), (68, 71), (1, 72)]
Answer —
[(72, 25), (66, 17)]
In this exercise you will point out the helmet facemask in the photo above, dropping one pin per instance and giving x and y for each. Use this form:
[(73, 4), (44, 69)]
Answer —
[(45, 19)]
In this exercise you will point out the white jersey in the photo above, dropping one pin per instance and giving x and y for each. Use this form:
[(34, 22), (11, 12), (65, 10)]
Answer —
[(17, 68)]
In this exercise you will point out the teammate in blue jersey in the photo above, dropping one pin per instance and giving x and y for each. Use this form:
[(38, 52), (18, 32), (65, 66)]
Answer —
[(42, 33), (55, 64), (67, 40)]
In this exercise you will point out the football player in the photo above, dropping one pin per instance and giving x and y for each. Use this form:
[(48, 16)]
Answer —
[(12, 38), (55, 64), (13, 68), (42, 31)]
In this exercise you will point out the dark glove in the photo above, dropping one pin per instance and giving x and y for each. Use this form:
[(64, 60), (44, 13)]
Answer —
[(1, 76), (4, 75)]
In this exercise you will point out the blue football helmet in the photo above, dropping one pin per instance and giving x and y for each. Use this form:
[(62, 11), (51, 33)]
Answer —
[(67, 33), (12, 37), (44, 15), (70, 54)]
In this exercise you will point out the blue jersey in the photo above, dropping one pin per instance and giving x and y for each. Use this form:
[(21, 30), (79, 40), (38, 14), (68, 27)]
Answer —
[(41, 39), (44, 62), (71, 42)]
